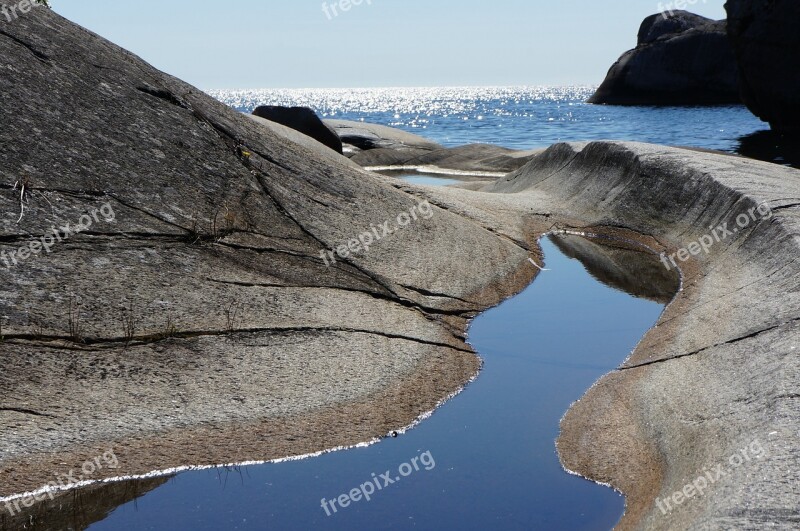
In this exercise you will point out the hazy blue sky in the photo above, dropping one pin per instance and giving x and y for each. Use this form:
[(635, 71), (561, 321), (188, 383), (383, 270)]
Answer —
[(292, 43)]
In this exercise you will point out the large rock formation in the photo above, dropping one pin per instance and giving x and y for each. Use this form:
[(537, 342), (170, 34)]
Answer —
[(196, 317), (766, 41), (714, 386), (301, 119), (680, 59)]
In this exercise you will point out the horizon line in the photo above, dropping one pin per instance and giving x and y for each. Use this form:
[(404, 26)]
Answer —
[(593, 86)]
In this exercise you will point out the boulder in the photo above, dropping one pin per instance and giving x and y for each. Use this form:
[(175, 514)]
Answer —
[(680, 59), (304, 120), (203, 316), (766, 42)]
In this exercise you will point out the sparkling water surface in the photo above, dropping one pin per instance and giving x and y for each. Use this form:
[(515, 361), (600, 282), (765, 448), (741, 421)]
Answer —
[(515, 117)]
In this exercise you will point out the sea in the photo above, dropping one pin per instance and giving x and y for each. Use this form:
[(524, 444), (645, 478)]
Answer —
[(531, 117)]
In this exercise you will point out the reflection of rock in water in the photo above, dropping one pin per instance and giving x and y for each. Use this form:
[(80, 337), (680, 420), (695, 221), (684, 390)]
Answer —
[(77, 509), (622, 266), (771, 147)]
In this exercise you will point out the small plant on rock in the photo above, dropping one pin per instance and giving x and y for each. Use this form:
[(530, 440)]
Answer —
[(74, 321), (129, 323)]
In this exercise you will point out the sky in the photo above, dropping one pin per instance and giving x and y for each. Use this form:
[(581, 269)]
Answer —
[(216, 44)]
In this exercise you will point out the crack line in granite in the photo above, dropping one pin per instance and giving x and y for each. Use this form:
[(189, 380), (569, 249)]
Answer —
[(729, 342)]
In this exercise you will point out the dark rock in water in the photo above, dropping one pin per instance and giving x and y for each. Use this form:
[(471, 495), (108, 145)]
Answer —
[(319, 149), (75, 510), (304, 120), (683, 59), (766, 43)]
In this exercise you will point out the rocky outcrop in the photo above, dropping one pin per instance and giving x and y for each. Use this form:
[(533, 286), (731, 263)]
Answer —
[(767, 46), (376, 146), (184, 310), (718, 376), (362, 136), (320, 150), (474, 159), (301, 119), (680, 59)]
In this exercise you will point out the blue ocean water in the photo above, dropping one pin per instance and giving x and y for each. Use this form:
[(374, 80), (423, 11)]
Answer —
[(524, 117)]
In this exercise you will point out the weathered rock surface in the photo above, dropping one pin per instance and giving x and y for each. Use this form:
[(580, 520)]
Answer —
[(720, 372), (492, 161), (766, 43), (684, 59), (199, 324), (319, 149), (304, 120), (363, 136), (378, 146)]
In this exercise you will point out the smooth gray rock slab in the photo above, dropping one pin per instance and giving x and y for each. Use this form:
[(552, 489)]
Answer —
[(319, 149), (210, 299), (364, 136), (491, 161)]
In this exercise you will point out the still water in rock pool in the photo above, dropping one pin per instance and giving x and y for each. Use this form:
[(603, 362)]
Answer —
[(428, 180), (485, 460)]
